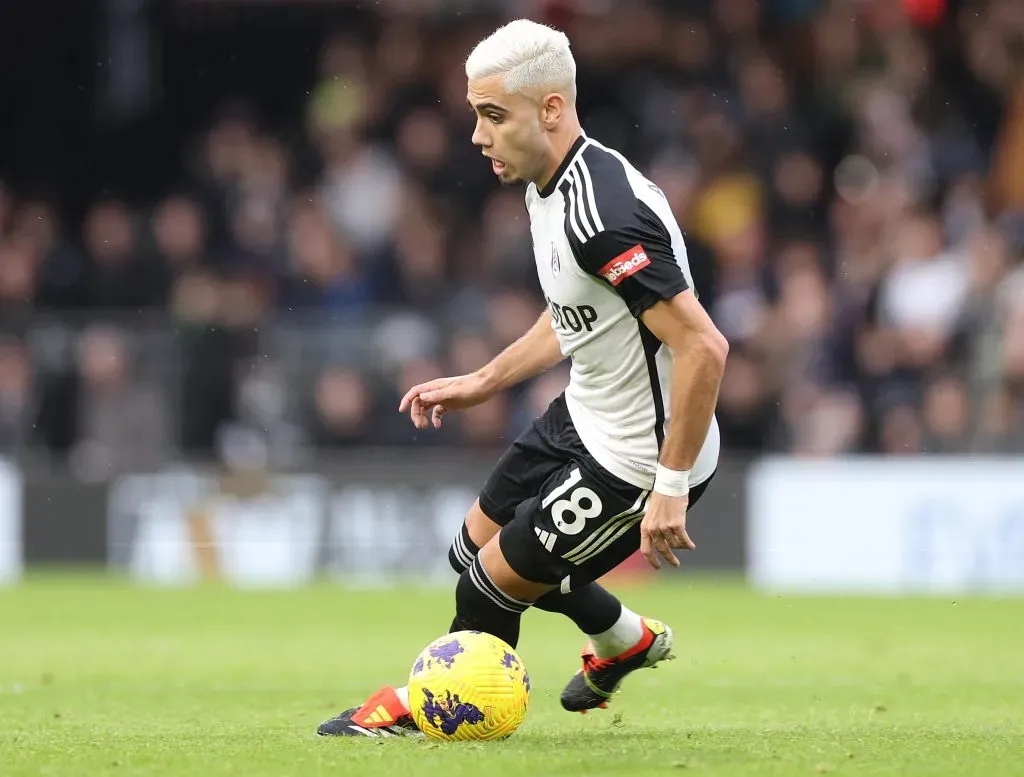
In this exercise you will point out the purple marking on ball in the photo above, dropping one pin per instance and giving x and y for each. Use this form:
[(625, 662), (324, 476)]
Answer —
[(526, 680), (509, 660), (445, 653), (450, 712), (419, 666)]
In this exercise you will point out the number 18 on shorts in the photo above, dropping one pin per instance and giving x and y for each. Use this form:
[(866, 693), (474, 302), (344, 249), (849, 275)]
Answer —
[(583, 525)]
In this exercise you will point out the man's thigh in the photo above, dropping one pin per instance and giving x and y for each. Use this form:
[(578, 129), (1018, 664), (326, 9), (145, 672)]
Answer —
[(519, 474)]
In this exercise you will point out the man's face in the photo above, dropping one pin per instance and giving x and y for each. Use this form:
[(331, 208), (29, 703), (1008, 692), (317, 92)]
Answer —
[(508, 130)]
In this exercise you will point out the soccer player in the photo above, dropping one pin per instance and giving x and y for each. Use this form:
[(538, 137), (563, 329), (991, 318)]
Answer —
[(608, 468)]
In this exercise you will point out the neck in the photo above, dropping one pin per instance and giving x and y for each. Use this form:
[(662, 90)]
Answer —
[(560, 145)]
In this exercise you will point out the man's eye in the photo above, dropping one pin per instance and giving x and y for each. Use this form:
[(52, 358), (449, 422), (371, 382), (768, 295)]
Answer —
[(495, 117)]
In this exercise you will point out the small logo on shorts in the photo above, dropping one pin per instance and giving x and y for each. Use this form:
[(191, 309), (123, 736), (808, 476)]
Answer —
[(547, 538)]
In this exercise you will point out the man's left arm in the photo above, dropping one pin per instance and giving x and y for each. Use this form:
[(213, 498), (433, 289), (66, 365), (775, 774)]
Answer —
[(638, 260), (698, 351)]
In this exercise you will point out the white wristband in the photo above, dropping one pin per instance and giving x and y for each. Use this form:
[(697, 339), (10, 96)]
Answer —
[(672, 482)]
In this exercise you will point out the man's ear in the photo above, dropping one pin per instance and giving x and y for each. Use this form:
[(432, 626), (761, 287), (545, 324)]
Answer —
[(552, 107)]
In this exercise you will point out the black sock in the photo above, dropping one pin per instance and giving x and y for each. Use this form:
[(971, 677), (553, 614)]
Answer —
[(481, 606), (590, 607), (463, 551)]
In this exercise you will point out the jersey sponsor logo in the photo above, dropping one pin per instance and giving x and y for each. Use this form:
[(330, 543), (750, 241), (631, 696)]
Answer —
[(624, 265), (575, 319), (556, 264)]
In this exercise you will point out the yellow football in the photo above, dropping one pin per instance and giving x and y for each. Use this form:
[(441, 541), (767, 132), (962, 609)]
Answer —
[(468, 685)]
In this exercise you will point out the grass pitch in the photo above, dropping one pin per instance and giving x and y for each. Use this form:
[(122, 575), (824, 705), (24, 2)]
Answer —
[(101, 678)]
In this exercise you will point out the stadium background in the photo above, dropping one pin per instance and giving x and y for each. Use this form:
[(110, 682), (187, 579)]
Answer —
[(232, 233)]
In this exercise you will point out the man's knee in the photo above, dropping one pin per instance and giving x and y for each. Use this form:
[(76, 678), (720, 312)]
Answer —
[(476, 532)]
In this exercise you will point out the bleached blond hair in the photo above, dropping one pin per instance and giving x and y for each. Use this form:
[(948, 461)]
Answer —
[(532, 58)]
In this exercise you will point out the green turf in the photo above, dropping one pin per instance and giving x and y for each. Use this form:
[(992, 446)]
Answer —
[(99, 678)]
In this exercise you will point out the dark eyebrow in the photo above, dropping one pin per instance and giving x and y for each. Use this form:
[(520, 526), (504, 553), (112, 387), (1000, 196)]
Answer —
[(487, 107)]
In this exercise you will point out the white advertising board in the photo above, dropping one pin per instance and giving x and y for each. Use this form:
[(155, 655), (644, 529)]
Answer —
[(176, 528), (887, 526), (10, 523)]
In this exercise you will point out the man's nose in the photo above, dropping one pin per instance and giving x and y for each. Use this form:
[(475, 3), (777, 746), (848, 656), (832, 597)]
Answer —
[(480, 137)]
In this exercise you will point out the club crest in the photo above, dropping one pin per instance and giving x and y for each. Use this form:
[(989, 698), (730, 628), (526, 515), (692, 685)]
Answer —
[(556, 265)]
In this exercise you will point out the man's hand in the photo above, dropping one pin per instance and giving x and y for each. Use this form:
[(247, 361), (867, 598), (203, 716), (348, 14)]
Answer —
[(664, 528), (530, 355), (428, 402)]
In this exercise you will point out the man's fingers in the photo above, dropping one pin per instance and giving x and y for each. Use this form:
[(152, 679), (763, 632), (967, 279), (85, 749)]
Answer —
[(688, 544), (418, 414), (419, 391), (662, 545), (647, 550), (680, 539), (422, 403), (408, 399)]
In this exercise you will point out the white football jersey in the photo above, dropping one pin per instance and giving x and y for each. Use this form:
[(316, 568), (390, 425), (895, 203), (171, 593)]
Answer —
[(607, 248)]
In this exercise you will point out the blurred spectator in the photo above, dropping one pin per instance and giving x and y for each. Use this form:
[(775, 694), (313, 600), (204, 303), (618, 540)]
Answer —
[(901, 433), (122, 422), (922, 296), (326, 274), (116, 278), (947, 416), (1002, 423), (179, 233), (361, 180), (17, 283), (417, 274), (343, 409), (17, 403)]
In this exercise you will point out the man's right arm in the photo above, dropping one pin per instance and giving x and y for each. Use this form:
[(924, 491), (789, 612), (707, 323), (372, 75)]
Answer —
[(530, 355), (533, 353)]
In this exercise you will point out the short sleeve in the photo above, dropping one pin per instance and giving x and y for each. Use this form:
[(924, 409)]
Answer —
[(636, 259)]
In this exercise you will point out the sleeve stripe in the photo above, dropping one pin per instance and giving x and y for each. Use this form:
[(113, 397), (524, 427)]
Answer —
[(570, 228), (568, 190), (580, 200), (580, 203), (588, 190), (579, 209)]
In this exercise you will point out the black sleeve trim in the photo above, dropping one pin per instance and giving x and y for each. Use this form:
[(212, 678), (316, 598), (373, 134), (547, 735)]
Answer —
[(646, 302)]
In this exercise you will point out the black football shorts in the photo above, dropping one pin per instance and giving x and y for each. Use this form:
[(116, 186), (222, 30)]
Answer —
[(565, 520)]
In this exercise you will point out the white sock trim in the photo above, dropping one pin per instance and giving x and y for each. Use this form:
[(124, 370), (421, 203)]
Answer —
[(403, 696), (627, 631)]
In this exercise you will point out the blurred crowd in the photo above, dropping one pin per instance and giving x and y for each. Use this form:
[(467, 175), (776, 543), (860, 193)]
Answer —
[(849, 175)]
